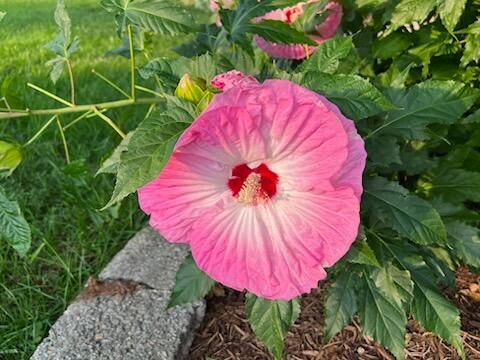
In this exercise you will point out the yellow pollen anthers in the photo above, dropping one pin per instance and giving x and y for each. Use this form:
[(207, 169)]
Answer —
[(251, 192)]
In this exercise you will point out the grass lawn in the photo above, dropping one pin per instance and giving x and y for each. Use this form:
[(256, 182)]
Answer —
[(71, 238)]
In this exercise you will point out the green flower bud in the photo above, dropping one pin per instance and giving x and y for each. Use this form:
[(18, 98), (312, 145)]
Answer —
[(10, 156), (190, 89), (205, 100)]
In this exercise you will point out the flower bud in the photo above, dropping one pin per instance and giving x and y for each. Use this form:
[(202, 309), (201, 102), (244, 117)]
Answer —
[(190, 89), (205, 101), (10, 156)]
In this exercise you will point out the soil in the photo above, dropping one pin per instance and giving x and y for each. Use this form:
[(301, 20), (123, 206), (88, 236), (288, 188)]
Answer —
[(226, 335)]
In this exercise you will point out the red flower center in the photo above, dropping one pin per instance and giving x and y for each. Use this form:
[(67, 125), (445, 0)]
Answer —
[(253, 186)]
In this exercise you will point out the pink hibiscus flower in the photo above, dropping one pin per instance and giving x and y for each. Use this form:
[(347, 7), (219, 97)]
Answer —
[(324, 31), (265, 186)]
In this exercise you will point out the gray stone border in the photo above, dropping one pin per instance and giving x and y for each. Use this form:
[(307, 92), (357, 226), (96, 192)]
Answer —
[(132, 324)]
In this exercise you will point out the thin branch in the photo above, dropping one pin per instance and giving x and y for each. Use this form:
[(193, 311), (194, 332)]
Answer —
[(40, 132), (49, 94), (132, 60), (81, 108), (72, 81), (64, 140), (111, 83), (109, 122), (150, 91), (76, 120)]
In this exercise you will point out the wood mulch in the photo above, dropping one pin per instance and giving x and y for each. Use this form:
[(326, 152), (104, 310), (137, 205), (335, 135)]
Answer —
[(226, 335)]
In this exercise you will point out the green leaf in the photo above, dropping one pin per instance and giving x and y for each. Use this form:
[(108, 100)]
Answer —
[(383, 150), (327, 56), (278, 32), (404, 212), (271, 319), (433, 311), (456, 185), (391, 46), (150, 147), (159, 16), (472, 118), (426, 103), (382, 317), (13, 226), (450, 12), (465, 241), (10, 157), (395, 283), (361, 253), (2, 15), (472, 50), (454, 211), (110, 165), (340, 303), (191, 283), (408, 11), (355, 96)]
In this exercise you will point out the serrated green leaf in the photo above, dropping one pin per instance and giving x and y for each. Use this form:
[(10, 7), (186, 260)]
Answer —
[(278, 32), (383, 150), (433, 311), (465, 241), (158, 16), (456, 185), (391, 46), (361, 253), (328, 54), (450, 12), (472, 50), (395, 283), (354, 95), (408, 11), (382, 317), (472, 118), (404, 212), (453, 211), (110, 165), (191, 283), (271, 319), (429, 102), (13, 226), (340, 303), (150, 147)]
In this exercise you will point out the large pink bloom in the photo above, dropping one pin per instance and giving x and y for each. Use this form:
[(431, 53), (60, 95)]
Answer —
[(323, 31), (265, 186)]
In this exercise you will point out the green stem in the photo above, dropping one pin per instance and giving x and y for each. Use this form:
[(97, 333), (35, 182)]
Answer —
[(64, 140), (132, 60), (82, 108), (111, 83), (150, 91), (13, 110), (76, 120), (110, 122), (72, 81), (49, 94), (40, 132)]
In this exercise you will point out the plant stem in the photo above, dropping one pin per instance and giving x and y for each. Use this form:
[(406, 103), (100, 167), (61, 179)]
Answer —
[(40, 132), (109, 122), (82, 108), (111, 83), (64, 140), (72, 81), (132, 59), (150, 91), (49, 94), (76, 120)]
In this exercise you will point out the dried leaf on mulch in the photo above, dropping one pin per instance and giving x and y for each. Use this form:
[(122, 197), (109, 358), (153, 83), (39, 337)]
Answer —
[(226, 335)]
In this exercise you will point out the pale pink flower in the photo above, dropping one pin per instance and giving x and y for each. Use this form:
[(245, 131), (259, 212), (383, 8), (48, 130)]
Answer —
[(231, 79), (265, 186), (324, 31)]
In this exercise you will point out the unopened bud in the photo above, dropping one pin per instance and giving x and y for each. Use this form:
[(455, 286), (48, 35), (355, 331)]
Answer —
[(190, 89), (10, 156)]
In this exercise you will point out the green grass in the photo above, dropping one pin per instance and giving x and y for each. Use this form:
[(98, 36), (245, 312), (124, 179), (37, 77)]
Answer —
[(71, 238)]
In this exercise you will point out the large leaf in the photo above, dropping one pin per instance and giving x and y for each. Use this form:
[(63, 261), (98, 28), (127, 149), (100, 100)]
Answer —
[(383, 150), (150, 147), (408, 11), (278, 32), (361, 253), (110, 165), (355, 96), (465, 241), (404, 212), (159, 16), (327, 56), (426, 103), (395, 283), (271, 319), (382, 317), (456, 185), (340, 303), (450, 12), (472, 50), (13, 226), (191, 283)]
